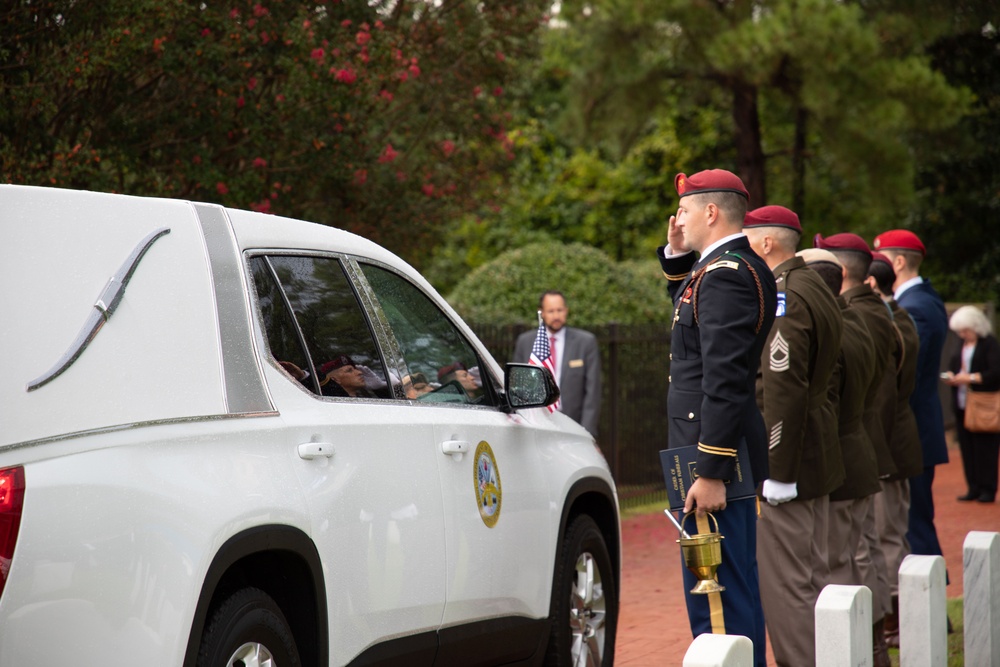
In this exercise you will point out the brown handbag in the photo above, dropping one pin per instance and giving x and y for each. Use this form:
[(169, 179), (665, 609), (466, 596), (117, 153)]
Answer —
[(982, 411)]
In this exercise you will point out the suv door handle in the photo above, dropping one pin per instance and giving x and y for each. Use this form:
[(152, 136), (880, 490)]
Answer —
[(315, 450), (455, 448)]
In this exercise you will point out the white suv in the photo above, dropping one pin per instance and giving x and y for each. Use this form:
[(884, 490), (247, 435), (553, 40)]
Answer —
[(228, 438)]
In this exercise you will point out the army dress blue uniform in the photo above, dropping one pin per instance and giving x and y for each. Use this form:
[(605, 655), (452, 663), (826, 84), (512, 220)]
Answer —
[(724, 306)]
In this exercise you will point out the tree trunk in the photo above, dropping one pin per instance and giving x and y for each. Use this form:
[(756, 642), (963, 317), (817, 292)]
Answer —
[(749, 152), (799, 163)]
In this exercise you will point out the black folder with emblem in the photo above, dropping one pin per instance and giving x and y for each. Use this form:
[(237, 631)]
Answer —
[(679, 474)]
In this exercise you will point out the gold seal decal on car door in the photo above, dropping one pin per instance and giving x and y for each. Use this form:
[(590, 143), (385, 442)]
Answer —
[(486, 478)]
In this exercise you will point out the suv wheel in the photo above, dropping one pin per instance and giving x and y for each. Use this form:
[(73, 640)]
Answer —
[(248, 630), (584, 600)]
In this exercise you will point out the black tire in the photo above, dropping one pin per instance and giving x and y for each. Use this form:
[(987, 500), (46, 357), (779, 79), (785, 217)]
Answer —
[(247, 624), (591, 632)]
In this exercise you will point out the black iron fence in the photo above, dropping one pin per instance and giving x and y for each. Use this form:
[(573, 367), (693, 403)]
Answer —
[(633, 427)]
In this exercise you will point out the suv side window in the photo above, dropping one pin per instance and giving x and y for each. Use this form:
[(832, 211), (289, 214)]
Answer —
[(311, 314), (441, 365)]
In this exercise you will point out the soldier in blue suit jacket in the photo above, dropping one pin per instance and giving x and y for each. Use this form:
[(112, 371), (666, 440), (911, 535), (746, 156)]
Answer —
[(915, 294), (724, 306)]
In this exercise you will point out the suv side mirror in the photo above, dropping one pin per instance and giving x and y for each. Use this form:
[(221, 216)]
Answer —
[(528, 386)]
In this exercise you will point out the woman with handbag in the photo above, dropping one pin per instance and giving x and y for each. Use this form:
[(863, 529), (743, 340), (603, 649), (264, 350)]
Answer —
[(975, 378)]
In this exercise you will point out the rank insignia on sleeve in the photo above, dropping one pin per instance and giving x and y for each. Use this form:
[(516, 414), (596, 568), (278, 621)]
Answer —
[(779, 357), (781, 305)]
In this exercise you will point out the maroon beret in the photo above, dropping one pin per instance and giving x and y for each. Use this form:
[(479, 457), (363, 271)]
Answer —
[(900, 239), (772, 216), (445, 371), (339, 362), (879, 257), (844, 241), (710, 180)]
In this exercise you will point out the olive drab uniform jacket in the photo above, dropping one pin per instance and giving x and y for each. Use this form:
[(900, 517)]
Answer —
[(724, 306), (854, 381), (878, 319), (905, 442), (793, 383)]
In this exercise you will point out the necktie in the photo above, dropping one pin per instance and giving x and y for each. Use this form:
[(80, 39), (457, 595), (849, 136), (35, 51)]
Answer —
[(552, 351)]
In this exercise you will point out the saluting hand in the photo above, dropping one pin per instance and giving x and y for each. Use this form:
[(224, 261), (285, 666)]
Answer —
[(675, 237)]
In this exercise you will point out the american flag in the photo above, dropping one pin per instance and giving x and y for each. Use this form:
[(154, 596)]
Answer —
[(541, 354)]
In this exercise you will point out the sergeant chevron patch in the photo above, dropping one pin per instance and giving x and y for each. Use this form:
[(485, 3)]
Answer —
[(775, 435), (779, 354)]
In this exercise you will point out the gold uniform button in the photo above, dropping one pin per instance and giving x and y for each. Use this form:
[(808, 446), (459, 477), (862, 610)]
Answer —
[(670, 356), (690, 415)]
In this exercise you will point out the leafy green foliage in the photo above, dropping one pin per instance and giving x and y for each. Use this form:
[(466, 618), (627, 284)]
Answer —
[(380, 117), (598, 290), (958, 179)]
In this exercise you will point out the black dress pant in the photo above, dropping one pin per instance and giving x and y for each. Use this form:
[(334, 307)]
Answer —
[(980, 456)]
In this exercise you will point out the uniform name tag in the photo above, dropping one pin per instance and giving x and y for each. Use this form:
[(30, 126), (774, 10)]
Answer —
[(722, 264), (576, 363)]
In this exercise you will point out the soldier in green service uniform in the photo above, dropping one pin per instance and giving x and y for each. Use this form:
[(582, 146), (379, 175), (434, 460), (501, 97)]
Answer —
[(854, 380), (804, 456), (853, 252), (892, 506)]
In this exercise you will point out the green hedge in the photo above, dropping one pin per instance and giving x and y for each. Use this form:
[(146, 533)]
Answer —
[(598, 290)]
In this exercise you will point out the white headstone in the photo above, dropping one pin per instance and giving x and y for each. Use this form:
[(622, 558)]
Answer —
[(981, 586), (923, 620), (844, 626), (710, 650)]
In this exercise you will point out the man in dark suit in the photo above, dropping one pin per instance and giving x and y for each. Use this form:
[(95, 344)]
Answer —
[(906, 252), (724, 306), (577, 358)]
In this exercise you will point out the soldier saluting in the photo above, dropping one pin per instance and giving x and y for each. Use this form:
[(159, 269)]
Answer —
[(724, 306)]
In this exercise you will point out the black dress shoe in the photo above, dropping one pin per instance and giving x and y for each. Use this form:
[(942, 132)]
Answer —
[(969, 496), (986, 498)]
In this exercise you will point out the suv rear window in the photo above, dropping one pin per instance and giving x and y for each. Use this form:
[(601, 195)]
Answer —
[(315, 327)]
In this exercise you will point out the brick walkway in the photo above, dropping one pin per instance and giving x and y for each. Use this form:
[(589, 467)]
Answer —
[(653, 629)]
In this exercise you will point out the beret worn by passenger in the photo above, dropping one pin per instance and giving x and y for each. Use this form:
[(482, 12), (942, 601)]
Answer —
[(813, 255), (445, 371), (900, 239), (773, 216), (339, 362), (710, 180), (844, 241), (879, 257)]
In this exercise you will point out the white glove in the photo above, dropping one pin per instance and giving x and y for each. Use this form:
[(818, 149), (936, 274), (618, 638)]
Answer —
[(779, 492)]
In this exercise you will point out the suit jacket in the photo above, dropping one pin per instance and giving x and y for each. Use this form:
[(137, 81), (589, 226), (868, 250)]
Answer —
[(724, 307), (579, 374), (928, 312), (794, 382), (985, 361)]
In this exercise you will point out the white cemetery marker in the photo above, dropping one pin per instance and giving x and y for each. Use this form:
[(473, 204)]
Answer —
[(923, 620), (844, 626), (981, 586)]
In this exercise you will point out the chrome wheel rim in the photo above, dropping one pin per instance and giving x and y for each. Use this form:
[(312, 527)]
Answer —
[(587, 611), (251, 654)]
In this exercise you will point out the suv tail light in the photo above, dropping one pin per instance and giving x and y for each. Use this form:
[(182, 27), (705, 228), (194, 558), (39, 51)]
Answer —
[(11, 501)]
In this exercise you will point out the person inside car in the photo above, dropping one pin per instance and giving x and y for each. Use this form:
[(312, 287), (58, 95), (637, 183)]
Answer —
[(456, 372), (342, 377)]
